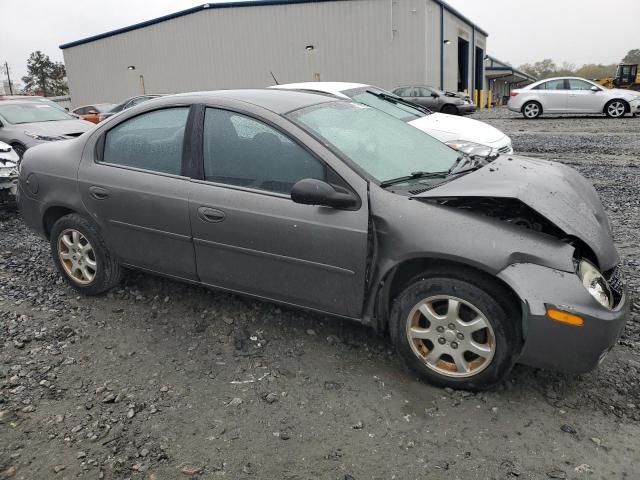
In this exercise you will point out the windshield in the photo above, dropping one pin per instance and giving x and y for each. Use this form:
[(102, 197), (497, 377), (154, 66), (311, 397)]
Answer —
[(377, 98), (32, 112), (381, 145)]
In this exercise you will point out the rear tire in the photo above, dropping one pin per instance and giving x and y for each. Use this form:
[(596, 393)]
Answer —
[(470, 335), (616, 108), (531, 110), (82, 257), (449, 109)]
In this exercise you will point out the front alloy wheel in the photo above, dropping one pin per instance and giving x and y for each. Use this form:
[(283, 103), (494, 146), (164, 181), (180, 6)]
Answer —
[(616, 109), (451, 336), (457, 328)]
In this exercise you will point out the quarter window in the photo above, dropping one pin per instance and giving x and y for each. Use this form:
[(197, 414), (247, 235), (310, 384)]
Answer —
[(239, 150), (151, 141)]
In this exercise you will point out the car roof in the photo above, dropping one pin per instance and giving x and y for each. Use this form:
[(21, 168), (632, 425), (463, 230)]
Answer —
[(335, 88), (561, 78), (279, 101)]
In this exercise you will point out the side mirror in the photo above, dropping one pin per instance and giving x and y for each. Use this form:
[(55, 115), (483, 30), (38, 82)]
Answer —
[(594, 89), (310, 191), (434, 95)]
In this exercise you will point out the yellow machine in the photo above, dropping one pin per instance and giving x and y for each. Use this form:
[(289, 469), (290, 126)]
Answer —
[(627, 76)]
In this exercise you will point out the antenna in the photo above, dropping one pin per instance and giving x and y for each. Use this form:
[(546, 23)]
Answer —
[(274, 78)]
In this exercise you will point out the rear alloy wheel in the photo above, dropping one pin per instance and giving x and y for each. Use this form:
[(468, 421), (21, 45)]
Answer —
[(82, 257), (454, 333), (531, 110), (615, 109)]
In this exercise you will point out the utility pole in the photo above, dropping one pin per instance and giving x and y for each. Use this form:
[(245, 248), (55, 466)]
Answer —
[(6, 68)]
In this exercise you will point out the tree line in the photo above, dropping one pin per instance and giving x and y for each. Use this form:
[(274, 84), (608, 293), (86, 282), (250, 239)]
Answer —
[(547, 68)]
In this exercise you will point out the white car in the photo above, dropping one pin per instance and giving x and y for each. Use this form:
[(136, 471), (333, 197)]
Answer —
[(572, 95), (8, 173), (457, 132)]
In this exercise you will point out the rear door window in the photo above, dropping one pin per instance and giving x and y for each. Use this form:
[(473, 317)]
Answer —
[(151, 141)]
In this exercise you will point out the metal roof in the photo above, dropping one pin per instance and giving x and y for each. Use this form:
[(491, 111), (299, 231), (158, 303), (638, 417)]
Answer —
[(251, 3), (499, 66)]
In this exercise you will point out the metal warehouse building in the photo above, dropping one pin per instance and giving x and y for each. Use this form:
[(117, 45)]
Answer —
[(237, 45)]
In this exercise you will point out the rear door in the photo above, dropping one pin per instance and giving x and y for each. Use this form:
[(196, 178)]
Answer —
[(251, 237), (584, 100), (553, 95), (132, 185)]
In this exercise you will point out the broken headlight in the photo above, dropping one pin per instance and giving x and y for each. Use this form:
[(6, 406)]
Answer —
[(473, 149), (595, 283)]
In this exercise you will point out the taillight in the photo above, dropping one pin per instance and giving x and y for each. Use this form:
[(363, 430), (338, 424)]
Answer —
[(513, 94)]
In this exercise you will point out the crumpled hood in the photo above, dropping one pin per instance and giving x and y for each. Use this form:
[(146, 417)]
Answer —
[(72, 128), (555, 191), (458, 128)]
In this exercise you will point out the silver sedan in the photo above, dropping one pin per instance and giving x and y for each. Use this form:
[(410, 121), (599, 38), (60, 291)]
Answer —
[(573, 95)]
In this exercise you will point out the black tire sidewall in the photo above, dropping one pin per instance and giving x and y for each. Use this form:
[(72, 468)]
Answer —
[(80, 224), (504, 329), (449, 109)]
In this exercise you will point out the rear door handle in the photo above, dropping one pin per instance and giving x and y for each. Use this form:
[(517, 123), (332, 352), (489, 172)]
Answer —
[(211, 215), (98, 193)]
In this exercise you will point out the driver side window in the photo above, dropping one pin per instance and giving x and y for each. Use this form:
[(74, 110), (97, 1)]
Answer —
[(242, 151)]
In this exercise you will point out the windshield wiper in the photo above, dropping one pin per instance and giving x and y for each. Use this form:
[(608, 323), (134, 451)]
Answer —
[(393, 99), (412, 176)]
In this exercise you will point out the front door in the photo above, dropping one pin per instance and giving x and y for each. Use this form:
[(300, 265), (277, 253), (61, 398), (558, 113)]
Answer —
[(582, 99), (136, 193), (251, 237)]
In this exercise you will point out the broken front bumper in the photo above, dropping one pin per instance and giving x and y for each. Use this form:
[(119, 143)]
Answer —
[(559, 346)]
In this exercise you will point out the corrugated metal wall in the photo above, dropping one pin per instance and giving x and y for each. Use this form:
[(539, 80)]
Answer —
[(381, 42)]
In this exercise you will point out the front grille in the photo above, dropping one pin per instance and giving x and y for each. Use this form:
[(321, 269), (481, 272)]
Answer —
[(505, 149), (616, 283)]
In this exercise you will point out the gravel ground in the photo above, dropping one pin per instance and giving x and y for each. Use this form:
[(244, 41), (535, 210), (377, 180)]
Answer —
[(161, 380)]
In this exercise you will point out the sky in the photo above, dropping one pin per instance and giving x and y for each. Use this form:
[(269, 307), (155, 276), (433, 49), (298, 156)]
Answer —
[(577, 31)]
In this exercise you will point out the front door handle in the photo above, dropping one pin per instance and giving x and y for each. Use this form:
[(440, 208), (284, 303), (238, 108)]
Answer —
[(98, 193), (211, 215)]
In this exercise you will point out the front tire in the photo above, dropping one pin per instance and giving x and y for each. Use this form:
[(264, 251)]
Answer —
[(454, 333), (449, 109), (82, 257), (19, 149), (531, 110), (615, 108)]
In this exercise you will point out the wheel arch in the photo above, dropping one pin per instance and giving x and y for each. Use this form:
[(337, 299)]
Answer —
[(398, 276), (52, 214), (527, 102), (627, 106)]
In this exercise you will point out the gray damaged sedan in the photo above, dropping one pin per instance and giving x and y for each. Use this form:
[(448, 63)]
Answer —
[(332, 206)]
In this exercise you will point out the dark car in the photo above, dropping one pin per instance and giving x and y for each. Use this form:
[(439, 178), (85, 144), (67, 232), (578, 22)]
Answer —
[(91, 113), (436, 100), (337, 207), (128, 103)]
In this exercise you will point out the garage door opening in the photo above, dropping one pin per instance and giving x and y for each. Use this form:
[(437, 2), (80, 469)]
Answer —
[(463, 65)]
